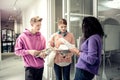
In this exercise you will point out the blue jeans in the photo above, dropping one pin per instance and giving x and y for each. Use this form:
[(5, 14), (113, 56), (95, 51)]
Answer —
[(83, 75), (59, 70)]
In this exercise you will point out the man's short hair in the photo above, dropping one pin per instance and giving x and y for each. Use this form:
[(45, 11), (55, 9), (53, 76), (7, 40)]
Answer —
[(35, 19)]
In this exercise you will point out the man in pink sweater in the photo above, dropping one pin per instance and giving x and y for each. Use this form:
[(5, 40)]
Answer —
[(29, 45)]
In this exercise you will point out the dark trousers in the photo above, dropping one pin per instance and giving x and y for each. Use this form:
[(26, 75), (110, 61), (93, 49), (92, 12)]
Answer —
[(83, 75), (33, 73), (59, 70)]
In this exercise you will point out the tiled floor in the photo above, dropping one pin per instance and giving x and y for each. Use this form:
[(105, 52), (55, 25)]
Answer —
[(109, 72), (11, 68)]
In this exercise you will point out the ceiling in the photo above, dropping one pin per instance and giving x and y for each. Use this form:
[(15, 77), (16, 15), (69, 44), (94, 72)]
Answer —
[(11, 9)]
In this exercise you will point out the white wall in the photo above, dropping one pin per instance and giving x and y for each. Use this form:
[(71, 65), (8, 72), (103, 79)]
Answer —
[(46, 10), (112, 41), (38, 8), (17, 27)]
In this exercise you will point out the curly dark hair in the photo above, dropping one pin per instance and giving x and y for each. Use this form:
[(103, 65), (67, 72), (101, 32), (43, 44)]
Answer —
[(91, 26)]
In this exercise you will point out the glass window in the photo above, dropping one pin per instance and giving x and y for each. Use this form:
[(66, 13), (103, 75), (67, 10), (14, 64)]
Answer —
[(108, 14), (77, 10)]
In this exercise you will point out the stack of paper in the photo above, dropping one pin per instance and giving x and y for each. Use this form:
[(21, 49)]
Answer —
[(69, 45)]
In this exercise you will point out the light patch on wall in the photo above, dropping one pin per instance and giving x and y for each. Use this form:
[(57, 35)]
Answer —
[(112, 4), (74, 18)]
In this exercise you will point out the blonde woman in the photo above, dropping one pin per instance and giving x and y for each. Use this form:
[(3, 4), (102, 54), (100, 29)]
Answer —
[(63, 58)]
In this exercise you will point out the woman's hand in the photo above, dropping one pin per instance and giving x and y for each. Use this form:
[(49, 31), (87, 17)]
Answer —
[(42, 55), (75, 51)]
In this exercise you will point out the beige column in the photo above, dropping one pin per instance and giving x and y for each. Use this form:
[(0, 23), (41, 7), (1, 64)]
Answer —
[(95, 8), (0, 36)]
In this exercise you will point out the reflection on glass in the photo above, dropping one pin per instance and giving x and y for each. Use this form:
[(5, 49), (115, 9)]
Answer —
[(4, 35), (8, 39), (108, 12), (81, 6), (78, 10), (9, 35)]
